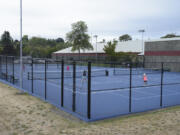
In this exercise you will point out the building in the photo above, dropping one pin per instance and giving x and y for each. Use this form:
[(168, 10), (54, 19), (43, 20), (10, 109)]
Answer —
[(151, 52), (163, 50), (98, 52)]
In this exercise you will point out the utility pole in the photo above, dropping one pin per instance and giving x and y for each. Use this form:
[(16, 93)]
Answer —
[(142, 31), (21, 61), (96, 36)]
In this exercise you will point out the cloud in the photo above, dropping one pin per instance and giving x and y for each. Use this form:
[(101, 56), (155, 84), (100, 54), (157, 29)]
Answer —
[(107, 18)]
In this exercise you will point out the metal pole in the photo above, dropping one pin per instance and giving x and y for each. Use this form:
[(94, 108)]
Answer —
[(130, 88), (13, 70), (142, 31), (62, 83), (91, 38), (162, 77), (114, 66), (21, 68), (96, 36), (32, 81), (89, 91), (45, 64), (74, 87), (6, 69), (0, 66), (142, 43), (96, 48)]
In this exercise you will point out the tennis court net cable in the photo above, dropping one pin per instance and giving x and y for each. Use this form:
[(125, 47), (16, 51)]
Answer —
[(39, 75), (137, 71)]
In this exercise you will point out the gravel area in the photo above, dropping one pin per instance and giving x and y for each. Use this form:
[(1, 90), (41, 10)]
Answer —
[(22, 114)]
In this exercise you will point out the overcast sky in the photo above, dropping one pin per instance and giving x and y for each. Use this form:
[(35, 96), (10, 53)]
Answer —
[(106, 18)]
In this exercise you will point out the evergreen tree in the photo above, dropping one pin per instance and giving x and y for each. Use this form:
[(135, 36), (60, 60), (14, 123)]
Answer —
[(7, 43)]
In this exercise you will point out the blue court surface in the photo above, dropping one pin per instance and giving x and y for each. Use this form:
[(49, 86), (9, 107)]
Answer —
[(113, 91)]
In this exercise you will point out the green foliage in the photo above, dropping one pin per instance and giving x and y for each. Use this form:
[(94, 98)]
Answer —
[(25, 38), (35, 46), (103, 41), (6, 38), (112, 55), (40, 47), (172, 35), (110, 48), (60, 40), (125, 37), (126, 57), (78, 37), (1, 49), (7, 44)]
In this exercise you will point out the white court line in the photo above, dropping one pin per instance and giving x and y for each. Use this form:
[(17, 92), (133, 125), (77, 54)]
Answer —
[(177, 93), (51, 83), (81, 93), (117, 94), (137, 99), (54, 83), (153, 94), (133, 90), (112, 93), (126, 97)]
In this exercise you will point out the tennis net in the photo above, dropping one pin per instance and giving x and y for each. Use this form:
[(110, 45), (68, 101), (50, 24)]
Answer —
[(137, 71), (40, 75)]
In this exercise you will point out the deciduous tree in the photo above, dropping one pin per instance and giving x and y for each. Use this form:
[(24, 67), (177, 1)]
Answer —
[(78, 37)]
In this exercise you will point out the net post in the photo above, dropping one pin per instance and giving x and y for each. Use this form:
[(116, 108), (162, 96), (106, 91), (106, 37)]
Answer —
[(114, 69), (32, 77), (62, 83), (162, 77), (6, 69), (13, 77), (28, 76), (89, 92), (130, 88), (45, 79), (74, 87)]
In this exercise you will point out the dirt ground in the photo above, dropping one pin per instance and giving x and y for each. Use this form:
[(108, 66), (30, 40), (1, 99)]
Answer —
[(22, 114)]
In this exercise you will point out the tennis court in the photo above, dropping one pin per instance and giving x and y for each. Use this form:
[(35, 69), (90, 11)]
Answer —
[(94, 91)]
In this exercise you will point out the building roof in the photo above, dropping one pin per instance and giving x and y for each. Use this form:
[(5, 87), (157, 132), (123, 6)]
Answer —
[(128, 46), (100, 47), (164, 39)]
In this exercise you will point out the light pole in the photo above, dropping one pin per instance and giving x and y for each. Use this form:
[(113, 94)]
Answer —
[(96, 36), (142, 31), (21, 72)]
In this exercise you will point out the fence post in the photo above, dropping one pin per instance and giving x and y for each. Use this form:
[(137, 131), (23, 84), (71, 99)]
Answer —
[(62, 83), (162, 77), (13, 77), (74, 87), (0, 66), (89, 92), (114, 66), (45, 79), (6, 69), (32, 77), (130, 88)]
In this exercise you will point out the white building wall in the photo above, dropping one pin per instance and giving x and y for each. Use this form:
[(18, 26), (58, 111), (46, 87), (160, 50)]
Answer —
[(128, 46)]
